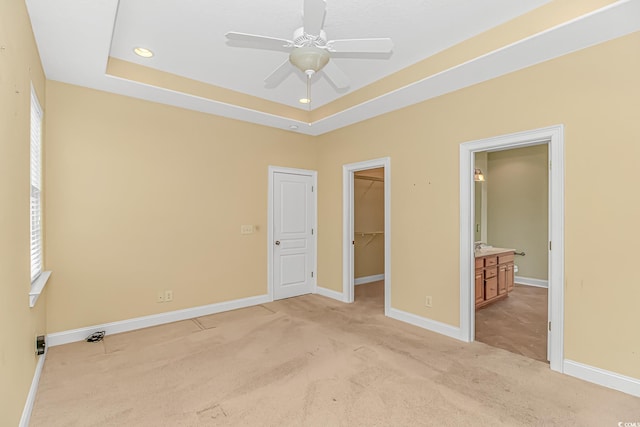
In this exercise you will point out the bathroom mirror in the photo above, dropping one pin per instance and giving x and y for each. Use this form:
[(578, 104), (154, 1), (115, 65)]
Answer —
[(480, 206)]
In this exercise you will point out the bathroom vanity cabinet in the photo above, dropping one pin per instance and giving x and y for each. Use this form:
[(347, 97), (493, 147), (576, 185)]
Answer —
[(493, 275)]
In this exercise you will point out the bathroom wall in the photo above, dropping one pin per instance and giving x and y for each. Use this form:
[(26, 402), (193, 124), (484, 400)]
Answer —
[(517, 206)]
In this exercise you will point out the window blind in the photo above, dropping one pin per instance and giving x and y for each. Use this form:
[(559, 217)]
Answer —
[(36, 187)]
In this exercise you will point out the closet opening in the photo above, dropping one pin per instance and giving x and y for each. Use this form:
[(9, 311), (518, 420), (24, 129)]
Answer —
[(367, 235), (368, 238)]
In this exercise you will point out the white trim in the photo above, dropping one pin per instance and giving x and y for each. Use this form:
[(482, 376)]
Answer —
[(530, 281), (554, 137), (74, 335), (368, 279), (314, 175), (33, 390), (348, 227), (603, 377), (329, 293), (423, 322), (37, 287)]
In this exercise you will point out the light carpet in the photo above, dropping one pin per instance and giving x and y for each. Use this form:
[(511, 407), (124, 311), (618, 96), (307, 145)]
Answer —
[(310, 361)]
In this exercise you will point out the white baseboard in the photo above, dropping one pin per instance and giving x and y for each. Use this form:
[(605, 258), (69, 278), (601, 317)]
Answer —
[(531, 282), (330, 293), (423, 322), (602, 377), (65, 337), (31, 397), (368, 279)]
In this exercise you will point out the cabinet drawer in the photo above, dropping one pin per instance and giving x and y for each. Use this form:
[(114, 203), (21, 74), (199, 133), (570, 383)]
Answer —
[(504, 258), (490, 272), (479, 262), (490, 260), (490, 288)]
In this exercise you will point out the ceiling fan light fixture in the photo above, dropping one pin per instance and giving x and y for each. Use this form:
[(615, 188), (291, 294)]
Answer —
[(309, 58)]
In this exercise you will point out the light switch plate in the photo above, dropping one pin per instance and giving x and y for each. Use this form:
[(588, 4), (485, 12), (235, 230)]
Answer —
[(246, 229)]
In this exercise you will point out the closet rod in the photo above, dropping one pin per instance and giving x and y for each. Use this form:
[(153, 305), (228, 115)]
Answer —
[(369, 178)]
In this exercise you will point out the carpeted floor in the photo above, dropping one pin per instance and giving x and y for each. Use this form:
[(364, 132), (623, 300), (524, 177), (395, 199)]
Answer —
[(310, 361), (517, 324)]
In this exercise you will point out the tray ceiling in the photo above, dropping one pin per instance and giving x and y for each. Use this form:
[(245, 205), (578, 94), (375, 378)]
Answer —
[(91, 44)]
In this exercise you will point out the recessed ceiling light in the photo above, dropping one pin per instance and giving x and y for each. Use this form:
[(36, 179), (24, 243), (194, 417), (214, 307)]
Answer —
[(293, 127), (144, 52), (304, 100)]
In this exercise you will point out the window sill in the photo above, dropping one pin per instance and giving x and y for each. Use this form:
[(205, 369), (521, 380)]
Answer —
[(37, 287)]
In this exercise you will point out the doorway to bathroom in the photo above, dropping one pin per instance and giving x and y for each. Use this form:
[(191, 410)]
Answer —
[(553, 137), (511, 249)]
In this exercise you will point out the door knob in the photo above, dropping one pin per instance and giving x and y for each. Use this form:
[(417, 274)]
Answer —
[(277, 242)]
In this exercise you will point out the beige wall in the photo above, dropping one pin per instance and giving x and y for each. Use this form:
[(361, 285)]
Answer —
[(594, 93), (368, 216), (518, 206), (144, 197), (19, 324)]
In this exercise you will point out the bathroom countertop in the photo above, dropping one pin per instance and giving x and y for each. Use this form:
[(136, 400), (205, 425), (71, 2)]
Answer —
[(492, 251)]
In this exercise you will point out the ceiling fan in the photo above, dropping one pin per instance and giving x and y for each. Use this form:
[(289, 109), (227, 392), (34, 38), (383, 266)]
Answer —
[(310, 51)]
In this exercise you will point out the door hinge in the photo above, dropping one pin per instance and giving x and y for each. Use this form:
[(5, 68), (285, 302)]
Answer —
[(312, 274), (549, 326), (549, 164), (312, 188), (312, 231), (549, 244)]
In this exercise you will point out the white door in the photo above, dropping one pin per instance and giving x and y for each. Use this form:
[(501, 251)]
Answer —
[(293, 234)]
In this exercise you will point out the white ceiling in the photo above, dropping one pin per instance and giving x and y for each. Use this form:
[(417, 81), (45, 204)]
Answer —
[(76, 37), (188, 37)]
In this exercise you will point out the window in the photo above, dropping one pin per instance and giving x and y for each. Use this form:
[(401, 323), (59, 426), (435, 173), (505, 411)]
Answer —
[(36, 187)]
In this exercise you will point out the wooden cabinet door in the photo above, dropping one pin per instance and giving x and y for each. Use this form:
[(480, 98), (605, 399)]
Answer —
[(490, 288), (510, 279), (479, 287), (502, 279)]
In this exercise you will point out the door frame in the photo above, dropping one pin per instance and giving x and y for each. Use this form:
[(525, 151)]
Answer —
[(554, 137), (270, 217), (348, 230)]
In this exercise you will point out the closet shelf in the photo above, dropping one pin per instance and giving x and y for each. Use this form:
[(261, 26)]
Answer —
[(369, 178), (368, 233), (372, 235)]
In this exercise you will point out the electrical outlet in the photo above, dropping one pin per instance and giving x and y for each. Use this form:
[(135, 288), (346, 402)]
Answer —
[(246, 229), (160, 296), (428, 302), (168, 296)]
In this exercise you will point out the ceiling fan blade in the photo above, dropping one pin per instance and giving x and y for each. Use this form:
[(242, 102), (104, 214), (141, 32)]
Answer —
[(259, 41), (336, 75), (382, 45), (314, 11), (278, 75)]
